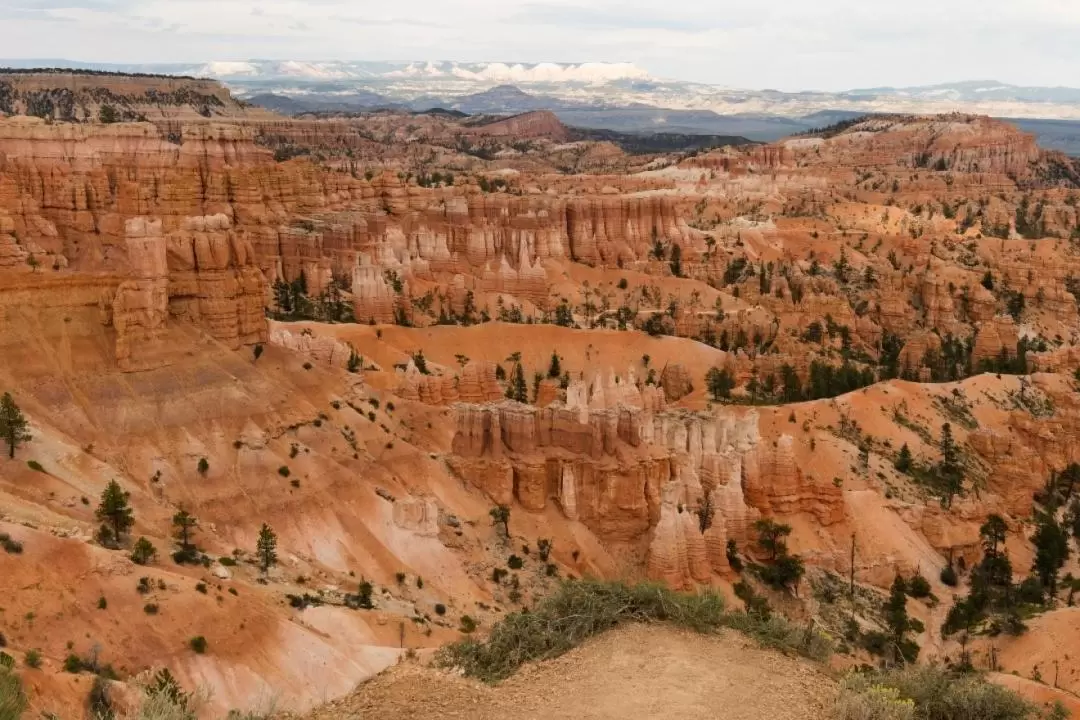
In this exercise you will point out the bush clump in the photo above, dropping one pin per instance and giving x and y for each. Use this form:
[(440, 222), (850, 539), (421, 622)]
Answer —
[(13, 699), (580, 609), (928, 692)]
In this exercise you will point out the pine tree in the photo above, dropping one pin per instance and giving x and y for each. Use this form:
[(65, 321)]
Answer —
[(1051, 551), (903, 460), (115, 511), (719, 382), (184, 524), (898, 622), (266, 548), (950, 470), (676, 260), (13, 425), (771, 536), (555, 368), (517, 389)]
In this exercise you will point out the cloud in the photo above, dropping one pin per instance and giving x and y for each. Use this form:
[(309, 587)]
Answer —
[(629, 17), (784, 44)]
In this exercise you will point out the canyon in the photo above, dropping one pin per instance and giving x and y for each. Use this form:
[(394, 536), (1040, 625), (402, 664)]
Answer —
[(370, 332)]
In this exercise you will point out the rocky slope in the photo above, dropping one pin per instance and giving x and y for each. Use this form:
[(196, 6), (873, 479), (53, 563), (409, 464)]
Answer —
[(331, 313)]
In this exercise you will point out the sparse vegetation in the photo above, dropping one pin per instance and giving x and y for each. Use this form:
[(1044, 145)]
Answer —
[(579, 609), (928, 692)]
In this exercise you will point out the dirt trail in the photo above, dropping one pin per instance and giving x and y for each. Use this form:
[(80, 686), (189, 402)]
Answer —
[(634, 672)]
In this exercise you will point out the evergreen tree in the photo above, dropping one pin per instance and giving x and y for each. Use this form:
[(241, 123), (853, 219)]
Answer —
[(903, 460), (771, 536), (719, 382), (143, 552), (949, 469), (266, 548), (184, 524), (115, 511), (792, 385), (995, 569), (13, 425), (257, 351), (1051, 551), (676, 260), (517, 390), (898, 622), (555, 368)]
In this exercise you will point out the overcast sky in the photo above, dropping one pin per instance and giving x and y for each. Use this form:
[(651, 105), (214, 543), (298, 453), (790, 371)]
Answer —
[(782, 44)]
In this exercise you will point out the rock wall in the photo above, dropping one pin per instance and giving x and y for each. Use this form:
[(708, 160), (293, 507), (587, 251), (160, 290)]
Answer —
[(633, 474)]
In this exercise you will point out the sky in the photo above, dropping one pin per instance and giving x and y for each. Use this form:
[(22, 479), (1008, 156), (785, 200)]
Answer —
[(779, 44)]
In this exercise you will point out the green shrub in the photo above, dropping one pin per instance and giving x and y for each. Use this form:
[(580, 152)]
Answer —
[(6, 661), (143, 552), (948, 575), (468, 624), (35, 465), (579, 609), (32, 658), (934, 694), (874, 703), (283, 471), (73, 664), (200, 587), (102, 603), (198, 644), (11, 546), (918, 587), (227, 561), (440, 609), (515, 562), (362, 598), (150, 608), (13, 700)]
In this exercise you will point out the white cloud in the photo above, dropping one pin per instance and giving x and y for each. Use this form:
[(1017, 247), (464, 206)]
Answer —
[(784, 44)]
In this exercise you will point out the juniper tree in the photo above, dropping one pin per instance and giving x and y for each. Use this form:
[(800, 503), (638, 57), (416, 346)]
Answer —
[(13, 424)]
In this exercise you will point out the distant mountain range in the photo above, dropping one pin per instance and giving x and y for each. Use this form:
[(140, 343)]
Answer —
[(613, 96)]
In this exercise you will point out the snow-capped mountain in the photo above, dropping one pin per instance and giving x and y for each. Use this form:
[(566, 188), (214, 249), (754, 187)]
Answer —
[(521, 73), (491, 72)]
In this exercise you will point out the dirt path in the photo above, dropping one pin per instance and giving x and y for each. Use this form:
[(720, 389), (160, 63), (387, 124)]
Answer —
[(634, 672)]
